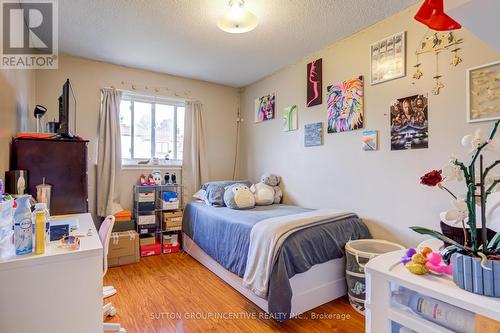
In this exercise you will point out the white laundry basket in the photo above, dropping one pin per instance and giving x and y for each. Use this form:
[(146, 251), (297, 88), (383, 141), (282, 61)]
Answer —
[(358, 253)]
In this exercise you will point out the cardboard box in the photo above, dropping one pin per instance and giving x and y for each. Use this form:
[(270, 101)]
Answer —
[(147, 239), (123, 248), (172, 221), (146, 219), (124, 226), (486, 325), (171, 239), (145, 197), (151, 250), (169, 248)]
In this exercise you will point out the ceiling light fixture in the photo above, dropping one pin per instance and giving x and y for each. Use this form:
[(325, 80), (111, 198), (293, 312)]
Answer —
[(237, 19), (432, 14)]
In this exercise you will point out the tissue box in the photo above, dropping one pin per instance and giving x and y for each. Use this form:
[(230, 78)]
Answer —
[(123, 248)]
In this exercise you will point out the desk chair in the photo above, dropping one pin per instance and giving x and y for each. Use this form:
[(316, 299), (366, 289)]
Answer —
[(108, 309)]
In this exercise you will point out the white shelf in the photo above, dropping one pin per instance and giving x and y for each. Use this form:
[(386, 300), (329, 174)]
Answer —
[(386, 269)]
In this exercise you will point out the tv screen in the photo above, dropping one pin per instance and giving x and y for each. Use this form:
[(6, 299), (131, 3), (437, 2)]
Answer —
[(67, 111)]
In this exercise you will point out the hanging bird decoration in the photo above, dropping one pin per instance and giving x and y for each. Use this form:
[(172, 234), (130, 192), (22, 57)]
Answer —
[(456, 58), (418, 73), (437, 86)]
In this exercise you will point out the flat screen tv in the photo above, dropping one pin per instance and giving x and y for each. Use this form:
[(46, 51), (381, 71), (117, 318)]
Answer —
[(67, 111)]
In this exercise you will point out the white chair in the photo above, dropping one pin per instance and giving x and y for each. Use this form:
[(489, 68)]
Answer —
[(107, 291)]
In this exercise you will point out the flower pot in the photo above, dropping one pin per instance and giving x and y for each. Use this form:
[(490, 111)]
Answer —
[(469, 275)]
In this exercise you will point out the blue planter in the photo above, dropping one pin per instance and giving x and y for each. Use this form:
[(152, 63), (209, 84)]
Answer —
[(469, 275)]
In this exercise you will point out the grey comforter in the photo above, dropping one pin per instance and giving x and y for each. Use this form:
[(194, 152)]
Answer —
[(224, 234)]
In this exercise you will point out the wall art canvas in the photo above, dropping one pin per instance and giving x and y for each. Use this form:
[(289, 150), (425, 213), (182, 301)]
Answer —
[(290, 118), (315, 82), (409, 123), (370, 140), (265, 107), (483, 92), (388, 58), (313, 134), (345, 105)]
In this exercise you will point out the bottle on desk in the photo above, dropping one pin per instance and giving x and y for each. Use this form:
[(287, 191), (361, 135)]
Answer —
[(40, 218)]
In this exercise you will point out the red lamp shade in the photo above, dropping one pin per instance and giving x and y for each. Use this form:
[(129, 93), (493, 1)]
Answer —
[(432, 14)]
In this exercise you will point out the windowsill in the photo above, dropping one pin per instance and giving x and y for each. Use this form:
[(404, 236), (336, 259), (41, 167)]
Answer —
[(161, 165)]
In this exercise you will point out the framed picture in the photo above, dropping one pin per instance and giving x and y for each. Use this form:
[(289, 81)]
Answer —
[(345, 105), (315, 82), (410, 123), (290, 118), (313, 134), (370, 140), (483, 92), (265, 107), (388, 58)]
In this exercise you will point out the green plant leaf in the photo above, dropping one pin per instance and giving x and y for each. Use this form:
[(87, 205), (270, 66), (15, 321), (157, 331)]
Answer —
[(494, 243), (438, 235)]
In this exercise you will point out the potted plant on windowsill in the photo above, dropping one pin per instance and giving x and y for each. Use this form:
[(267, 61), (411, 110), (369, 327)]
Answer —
[(476, 262)]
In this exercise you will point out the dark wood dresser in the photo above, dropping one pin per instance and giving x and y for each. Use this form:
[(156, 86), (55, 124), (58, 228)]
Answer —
[(63, 163)]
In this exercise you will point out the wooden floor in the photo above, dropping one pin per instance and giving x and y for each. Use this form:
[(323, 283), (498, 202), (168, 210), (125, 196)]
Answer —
[(175, 293)]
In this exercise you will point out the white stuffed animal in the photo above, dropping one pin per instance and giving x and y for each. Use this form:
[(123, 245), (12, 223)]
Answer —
[(273, 181), (264, 194)]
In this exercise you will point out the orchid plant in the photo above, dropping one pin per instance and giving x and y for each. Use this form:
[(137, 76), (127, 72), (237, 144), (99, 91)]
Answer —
[(480, 182)]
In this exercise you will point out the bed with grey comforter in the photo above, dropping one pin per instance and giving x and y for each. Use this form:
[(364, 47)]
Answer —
[(224, 234)]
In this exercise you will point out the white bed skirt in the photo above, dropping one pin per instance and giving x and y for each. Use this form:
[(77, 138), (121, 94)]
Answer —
[(319, 285)]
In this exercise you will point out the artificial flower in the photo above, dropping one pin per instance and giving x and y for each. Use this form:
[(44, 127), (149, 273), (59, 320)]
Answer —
[(431, 178), (459, 212), (452, 172), (473, 141)]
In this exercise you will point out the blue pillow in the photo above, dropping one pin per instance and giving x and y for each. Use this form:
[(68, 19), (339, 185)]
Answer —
[(215, 190)]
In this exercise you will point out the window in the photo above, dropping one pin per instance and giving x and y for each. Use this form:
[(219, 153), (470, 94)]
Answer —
[(151, 128)]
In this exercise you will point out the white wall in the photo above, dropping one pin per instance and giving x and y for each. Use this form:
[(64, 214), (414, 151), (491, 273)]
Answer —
[(16, 106), (88, 77), (383, 186)]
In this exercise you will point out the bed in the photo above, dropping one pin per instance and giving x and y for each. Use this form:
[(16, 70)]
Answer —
[(308, 269)]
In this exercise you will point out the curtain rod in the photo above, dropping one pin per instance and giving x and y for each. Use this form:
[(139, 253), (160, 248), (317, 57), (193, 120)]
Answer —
[(176, 96)]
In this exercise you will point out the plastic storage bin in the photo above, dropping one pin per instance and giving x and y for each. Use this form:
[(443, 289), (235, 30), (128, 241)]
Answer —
[(358, 253)]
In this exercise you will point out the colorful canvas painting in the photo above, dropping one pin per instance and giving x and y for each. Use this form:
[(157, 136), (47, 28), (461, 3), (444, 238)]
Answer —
[(313, 134), (370, 140), (315, 82), (345, 105), (388, 58), (290, 118), (409, 123), (264, 108)]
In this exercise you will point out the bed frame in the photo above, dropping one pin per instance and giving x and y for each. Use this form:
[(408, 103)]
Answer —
[(319, 285)]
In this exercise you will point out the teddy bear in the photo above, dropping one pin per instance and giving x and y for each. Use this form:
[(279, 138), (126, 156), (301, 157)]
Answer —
[(267, 191), (263, 193)]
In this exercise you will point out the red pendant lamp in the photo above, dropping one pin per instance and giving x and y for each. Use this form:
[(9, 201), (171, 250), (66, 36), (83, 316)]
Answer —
[(432, 14)]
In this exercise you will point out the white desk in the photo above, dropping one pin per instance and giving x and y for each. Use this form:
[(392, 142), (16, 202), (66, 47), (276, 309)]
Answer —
[(58, 291)]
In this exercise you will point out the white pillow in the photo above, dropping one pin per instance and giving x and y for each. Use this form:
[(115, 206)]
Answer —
[(200, 195)]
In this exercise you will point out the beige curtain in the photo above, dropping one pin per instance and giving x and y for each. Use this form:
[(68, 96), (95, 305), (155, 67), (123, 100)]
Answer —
[(109, 159), (194, 164)]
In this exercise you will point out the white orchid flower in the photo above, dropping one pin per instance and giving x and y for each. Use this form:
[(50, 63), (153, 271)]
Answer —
[(452, 172), (459, 212), (473, 141), (476, 140)]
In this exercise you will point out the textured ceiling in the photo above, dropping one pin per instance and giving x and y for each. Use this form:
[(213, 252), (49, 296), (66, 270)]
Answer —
[(180, 37)]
